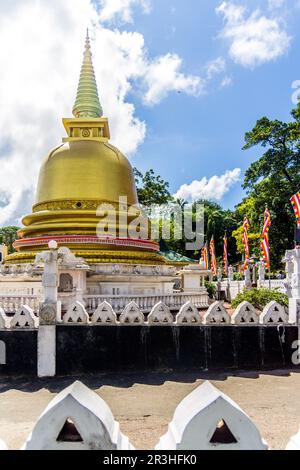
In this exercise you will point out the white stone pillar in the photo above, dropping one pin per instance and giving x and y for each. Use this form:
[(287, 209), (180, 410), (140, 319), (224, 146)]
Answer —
[(261, 273), (46, 351), (248, 282), (289, 269), (294, 301), (230, 273), (48, 313)]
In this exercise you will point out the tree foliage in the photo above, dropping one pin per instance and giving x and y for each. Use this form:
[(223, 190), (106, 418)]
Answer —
[(7, 236), (151, 188), (259, 298), (272, 180)]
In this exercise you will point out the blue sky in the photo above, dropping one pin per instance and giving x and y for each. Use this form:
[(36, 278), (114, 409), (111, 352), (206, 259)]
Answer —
[(192, 137), (181, 83)]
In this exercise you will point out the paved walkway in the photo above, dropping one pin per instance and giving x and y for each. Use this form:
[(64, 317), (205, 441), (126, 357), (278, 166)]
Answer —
[(145, 403)]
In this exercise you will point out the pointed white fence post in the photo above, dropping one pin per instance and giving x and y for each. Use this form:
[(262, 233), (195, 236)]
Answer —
[(209, 420), (160, 315), (216, 314), (294, 442), (3, 446), (104, 315), (77, 419), (132, 315), (76, 313), (24, 318), (4, 320), (245, 313), (273, 312), (188, 315)]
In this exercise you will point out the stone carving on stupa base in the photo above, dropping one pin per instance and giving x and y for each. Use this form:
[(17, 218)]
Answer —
[(68, 259), (188, 315), (160, 315), (116, 269), (132, 315)]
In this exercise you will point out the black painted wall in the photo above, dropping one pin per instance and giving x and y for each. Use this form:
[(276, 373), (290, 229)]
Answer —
[(124, 348), (21, 352), (86, 349)]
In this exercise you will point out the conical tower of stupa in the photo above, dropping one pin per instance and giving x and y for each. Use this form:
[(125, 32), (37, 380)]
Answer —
[(79, 188)]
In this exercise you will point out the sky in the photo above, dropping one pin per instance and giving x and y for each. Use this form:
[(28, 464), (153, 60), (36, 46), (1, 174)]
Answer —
[(181, 83)]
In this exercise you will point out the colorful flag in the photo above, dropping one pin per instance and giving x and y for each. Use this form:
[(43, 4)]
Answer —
[(204, 256), (295, 200), (265, 238), (246, 243), (225, 255), (213, 260)]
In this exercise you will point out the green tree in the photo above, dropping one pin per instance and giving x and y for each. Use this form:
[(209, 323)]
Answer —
[(273, 179), (8, 235), (151, 188)]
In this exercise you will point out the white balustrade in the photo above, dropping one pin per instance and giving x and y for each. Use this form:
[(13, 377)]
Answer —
[(145, 302)]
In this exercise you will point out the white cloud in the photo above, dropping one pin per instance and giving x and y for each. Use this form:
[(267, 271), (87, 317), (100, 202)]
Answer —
[(163, 75), (112, 10), (226, 82), (40, 66), (213, 188), (254, 39), (215, 67), (272, 4)]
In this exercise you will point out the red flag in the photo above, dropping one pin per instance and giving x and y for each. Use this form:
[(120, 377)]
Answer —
[(204, 256), (295, 200), (213, 256), (246, 243), (265, 238), (225, 255)]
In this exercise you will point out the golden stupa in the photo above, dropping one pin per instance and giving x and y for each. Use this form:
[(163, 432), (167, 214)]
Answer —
[(82, 174)]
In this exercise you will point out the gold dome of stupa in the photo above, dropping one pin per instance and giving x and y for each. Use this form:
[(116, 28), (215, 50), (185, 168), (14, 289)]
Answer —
[(81, 181)]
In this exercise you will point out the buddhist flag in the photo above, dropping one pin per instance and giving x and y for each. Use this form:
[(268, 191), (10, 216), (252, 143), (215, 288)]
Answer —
[(265, 238), (204, 256), (212, 252), (246, 243), (225, 255), (295, 200)]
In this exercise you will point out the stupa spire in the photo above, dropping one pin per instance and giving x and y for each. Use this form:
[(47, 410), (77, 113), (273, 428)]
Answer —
[(87, 102)]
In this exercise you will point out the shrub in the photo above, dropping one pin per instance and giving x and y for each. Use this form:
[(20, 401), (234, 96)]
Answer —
[(211, 289), (259, 298), (238, 277)]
